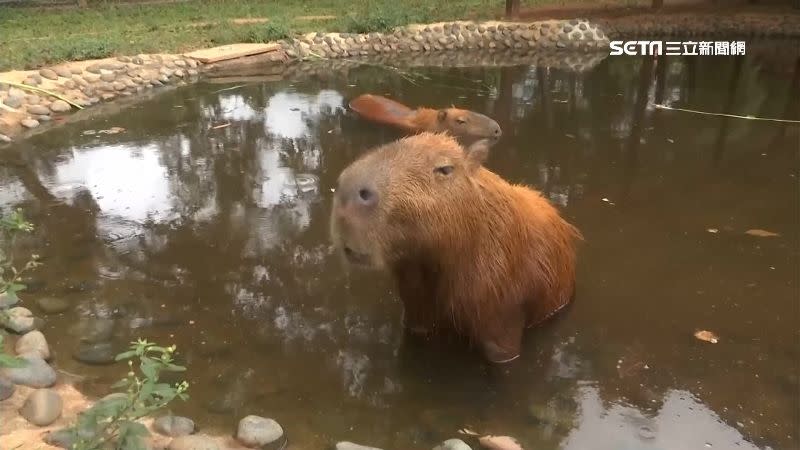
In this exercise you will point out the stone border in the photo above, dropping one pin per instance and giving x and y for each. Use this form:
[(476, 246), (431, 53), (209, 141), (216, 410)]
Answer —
[(575, 34), (86, 83)]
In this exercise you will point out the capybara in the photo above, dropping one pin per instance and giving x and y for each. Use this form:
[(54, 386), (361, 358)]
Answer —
[(458, 122), (470, 252)]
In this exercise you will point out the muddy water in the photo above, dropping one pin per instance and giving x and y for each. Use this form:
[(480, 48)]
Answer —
[(204, 224)]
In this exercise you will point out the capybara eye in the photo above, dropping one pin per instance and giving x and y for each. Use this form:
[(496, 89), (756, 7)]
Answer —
[(365, 194), (462, 121), (444, 170)]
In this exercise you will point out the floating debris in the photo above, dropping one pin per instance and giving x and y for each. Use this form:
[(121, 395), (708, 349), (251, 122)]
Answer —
[(761, 233), (712, 230), (499, 443), (707, 336), (224, 125)]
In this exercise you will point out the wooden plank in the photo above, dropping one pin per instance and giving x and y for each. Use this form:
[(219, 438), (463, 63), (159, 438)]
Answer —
[(233, 51)]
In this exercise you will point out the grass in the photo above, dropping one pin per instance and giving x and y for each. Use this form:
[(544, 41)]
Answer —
[(36, 37)]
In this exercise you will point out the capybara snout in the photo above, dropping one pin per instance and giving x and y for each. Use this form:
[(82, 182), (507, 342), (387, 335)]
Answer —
[(470, 252)]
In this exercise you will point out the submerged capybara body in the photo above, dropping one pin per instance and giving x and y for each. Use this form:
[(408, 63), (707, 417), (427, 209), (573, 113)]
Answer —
[(471, 253), (455, 121)]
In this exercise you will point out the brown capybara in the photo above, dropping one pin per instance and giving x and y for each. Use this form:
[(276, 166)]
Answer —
[(458, 122), (471, 253)]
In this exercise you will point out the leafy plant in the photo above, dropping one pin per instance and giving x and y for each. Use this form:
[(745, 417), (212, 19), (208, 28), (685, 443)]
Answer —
[(8, 360), (10, 276), (112, 422)]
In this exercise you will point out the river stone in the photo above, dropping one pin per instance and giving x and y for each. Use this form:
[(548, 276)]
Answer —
[(91, 77), (43, 118), (20, 320), (174, 426), (4, 138), (50, 74), (36, 373), (60, 106), (7, 301), (108, 76), (7, 388), (98, 353), (42, 407), (94, 68), (453, 444), (255, 431), (345, 445), (38, 109), (33, 343), (77, 79), (62, 72), (193, 442), (29, 123), (119, 86), (13, 101)]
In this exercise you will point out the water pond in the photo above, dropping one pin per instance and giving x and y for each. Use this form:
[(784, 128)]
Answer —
[(205, 224)]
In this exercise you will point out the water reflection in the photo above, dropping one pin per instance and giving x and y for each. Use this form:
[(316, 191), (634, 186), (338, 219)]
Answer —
[(205, 224)]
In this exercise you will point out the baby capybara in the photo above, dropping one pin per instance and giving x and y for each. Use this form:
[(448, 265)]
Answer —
[(455, 121), (471, 253)]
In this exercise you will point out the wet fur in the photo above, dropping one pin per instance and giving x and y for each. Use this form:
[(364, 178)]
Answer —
[(472, 255)]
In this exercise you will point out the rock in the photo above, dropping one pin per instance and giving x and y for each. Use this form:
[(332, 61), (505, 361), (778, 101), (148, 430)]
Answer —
[(345, 445), (123, 59), (32, 99), (118, 86), (255, 431), (13, 102), (33, 343), (108, 76), (180, 63), (193, 442), (137, 60), (20, 320), (38, 109), (7, 388), (32, 81), (453, 444), (107, 96), (69, 84), (42, 407), (98, 353), (7, 301), (16, 92), (50, 74), (43, 118), (36, 373), (63, 72), (52, 305), (76, 70), (4, 138), (91, 77), (60, 106), (174, 426)]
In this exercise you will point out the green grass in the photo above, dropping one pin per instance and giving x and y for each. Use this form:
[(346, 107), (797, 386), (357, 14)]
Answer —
[(35, 37)]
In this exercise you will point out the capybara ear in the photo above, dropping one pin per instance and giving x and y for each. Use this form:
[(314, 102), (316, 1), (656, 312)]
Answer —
[(476, 154), (442, 115)]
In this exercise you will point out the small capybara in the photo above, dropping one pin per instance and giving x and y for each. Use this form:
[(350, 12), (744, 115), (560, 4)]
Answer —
[(458, 122), (471, 253)]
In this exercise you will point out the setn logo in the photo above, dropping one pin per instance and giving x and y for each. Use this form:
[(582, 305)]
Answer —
[(688, 48)]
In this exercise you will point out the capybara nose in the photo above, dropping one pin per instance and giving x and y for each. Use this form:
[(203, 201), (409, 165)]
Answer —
[(366, 197), (497, 131)]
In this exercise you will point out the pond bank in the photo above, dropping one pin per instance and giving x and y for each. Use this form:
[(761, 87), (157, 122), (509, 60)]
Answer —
[(82, 84)]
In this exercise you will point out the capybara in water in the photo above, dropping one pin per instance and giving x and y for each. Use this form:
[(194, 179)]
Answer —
[(470, 252), (458, 122)]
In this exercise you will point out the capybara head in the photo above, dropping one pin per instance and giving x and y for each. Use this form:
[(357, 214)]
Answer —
[(461, 122), (399, 200)]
